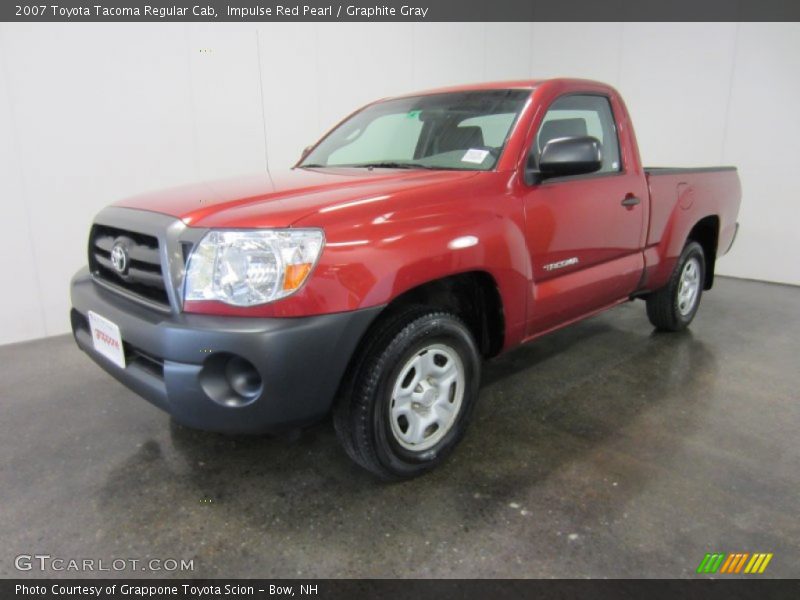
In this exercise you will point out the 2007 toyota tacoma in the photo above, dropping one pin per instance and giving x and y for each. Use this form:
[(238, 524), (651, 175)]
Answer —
[(421, 235)]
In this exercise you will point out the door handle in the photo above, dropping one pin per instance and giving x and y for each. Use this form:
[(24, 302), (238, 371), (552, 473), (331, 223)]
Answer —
[(630, 201)]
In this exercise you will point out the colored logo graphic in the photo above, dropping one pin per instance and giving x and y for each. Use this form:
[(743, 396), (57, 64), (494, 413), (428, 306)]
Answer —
[(734, 563)]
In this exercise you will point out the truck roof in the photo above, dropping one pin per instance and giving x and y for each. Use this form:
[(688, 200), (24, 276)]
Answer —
[(526, 84)]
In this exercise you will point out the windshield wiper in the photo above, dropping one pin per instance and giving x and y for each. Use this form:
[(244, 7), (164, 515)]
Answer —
[(399, 165), (374, 165), (386, 164)]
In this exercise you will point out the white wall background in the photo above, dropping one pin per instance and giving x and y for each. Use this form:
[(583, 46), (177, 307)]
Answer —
[(90, 113)]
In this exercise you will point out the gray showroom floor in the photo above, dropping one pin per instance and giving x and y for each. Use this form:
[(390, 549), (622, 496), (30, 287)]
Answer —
[(603, 450)]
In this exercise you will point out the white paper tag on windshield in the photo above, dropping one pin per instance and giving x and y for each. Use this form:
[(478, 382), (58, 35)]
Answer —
[(473, 155)]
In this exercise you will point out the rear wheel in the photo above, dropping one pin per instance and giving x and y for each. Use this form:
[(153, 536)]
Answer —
[(410, 395), (674, 306)]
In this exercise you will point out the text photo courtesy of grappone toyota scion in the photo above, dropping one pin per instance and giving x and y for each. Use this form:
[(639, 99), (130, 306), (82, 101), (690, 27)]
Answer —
[(420, 236)]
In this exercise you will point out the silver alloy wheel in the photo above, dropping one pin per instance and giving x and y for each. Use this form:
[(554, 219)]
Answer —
[(427, 397), (689, 286)]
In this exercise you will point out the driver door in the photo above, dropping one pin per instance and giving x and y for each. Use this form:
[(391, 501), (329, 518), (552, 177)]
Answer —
[(583, 231)]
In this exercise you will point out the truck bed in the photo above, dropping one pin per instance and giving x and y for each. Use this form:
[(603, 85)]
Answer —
[(680, 198)]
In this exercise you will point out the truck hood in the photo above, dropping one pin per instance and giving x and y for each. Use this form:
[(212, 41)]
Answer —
[(280, 201)]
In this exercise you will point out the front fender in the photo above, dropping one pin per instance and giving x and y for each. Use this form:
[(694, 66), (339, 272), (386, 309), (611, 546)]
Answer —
[(371, 257)]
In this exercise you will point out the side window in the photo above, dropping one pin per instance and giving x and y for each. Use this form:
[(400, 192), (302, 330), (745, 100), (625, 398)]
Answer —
[(578, 115)]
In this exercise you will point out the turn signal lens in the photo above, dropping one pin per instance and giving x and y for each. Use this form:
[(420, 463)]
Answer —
[(295, 276)]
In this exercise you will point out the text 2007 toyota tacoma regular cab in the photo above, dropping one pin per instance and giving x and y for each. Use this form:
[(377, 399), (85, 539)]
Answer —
[(421, 235)]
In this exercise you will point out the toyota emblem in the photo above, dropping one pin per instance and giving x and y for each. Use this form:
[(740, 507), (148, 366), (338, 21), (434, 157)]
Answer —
[(119, 258)]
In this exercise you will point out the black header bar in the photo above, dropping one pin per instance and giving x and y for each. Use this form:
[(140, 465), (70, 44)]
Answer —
[(398, 10)]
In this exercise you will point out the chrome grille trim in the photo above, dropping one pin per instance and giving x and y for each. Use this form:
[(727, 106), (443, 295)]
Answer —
[(158, 256), (142, 274)]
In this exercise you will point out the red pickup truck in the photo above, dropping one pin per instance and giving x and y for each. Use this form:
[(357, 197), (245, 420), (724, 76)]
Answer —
[(421, 235)]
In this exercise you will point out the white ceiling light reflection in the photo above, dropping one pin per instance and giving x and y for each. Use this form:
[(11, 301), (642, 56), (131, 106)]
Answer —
[(350, 243), (465, 241), (352, 203)]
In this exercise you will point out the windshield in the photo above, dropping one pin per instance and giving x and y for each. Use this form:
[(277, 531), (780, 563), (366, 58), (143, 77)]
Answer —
[(460, 130)]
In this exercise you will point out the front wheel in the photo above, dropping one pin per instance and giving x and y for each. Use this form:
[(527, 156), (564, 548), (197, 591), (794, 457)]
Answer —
[(674, 306), (410, 395)]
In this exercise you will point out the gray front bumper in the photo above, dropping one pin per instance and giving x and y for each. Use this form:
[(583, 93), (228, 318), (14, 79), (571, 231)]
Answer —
[(301, 360)]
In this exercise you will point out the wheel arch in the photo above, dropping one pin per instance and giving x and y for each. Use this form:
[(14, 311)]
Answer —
[(706, 233), (473, 296)]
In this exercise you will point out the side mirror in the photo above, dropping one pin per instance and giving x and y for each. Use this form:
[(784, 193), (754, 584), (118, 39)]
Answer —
[(305, 152), (570, 156)]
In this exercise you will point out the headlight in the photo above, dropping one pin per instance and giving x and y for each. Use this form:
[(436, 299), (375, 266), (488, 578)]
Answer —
[(244, 268)]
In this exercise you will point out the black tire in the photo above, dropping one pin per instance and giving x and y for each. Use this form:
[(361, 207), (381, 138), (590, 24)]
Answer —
[(363, 417), (666, 309)]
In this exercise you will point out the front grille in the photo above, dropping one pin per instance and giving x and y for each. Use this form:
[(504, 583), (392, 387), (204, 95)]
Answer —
[(146, 362), (142, 275), (133, 355)]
